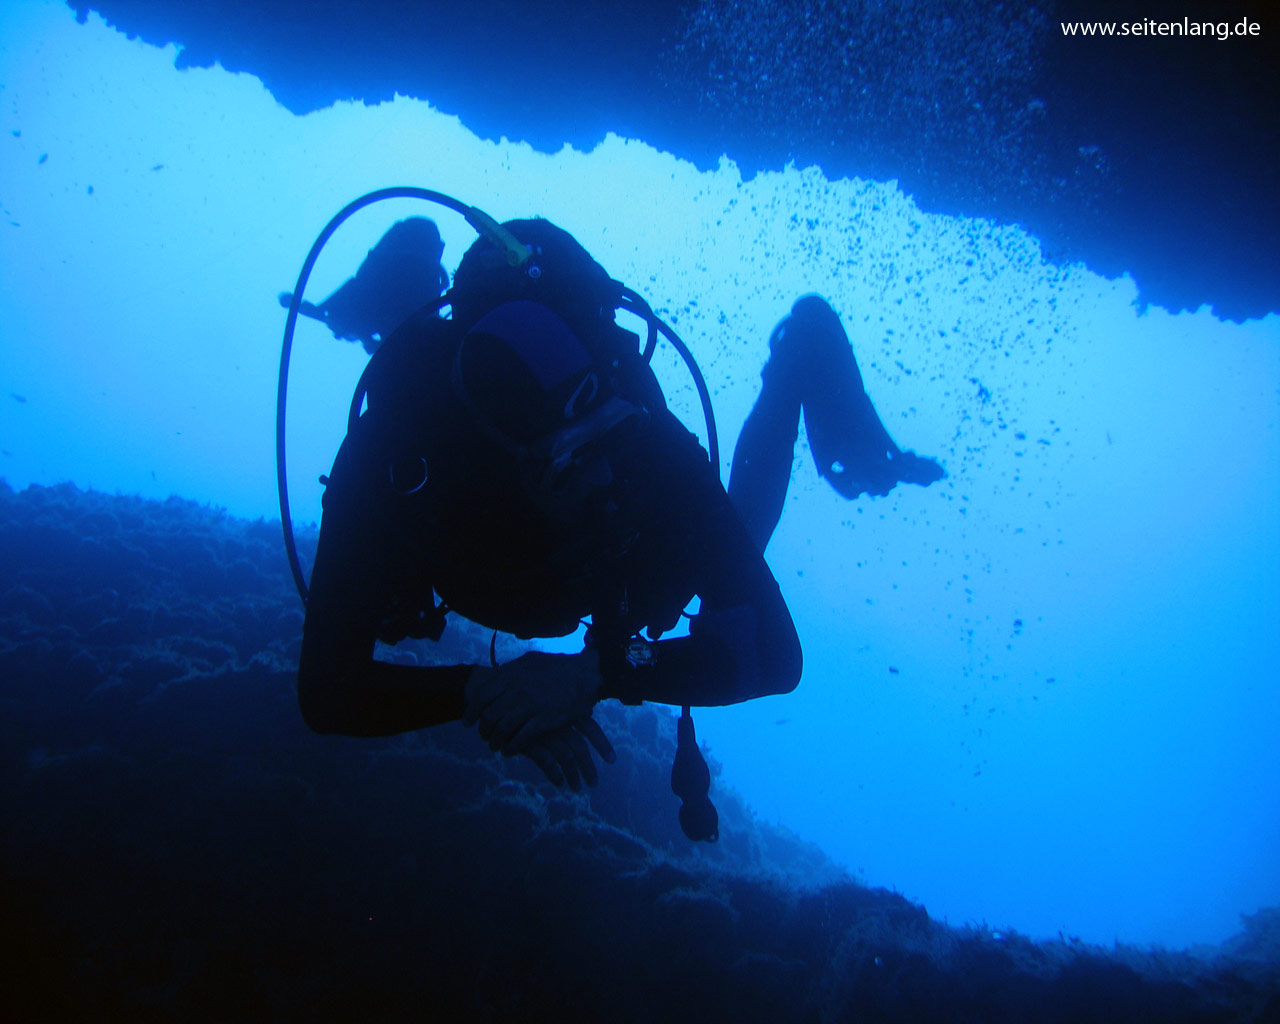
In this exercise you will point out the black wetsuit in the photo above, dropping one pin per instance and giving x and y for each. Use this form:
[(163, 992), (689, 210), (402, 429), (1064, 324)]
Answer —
[(419, 500)]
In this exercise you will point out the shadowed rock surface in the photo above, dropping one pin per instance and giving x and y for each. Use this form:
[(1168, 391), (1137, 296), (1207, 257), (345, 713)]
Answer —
[(1153, 156), (177, 846)]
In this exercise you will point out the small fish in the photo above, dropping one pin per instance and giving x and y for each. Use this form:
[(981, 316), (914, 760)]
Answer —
[(158, 167), (17, 397), (43, 158)]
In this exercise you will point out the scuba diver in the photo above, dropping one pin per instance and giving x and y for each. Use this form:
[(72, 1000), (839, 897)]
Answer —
[(517, 460), (400, 275)]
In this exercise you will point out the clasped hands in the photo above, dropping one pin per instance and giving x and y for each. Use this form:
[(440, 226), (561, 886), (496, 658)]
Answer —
[(540, 705)]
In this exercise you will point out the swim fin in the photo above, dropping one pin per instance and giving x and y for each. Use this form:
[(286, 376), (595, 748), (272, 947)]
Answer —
[(850, 446)]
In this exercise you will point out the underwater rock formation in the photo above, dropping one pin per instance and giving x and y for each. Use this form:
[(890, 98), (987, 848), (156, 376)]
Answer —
[(177, 845)]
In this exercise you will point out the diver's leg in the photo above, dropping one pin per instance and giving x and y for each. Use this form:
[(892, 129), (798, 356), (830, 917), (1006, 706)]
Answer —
[(812, 366), (763, 457), (851, 448)]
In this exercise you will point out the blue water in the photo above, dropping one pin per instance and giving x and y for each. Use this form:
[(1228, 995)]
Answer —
[(1042, 694)]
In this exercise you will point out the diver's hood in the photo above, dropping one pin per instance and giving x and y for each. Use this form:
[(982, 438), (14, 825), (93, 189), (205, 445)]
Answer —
[(559, 274)]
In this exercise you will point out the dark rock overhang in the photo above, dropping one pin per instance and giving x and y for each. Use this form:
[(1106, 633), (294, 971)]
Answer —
[(1153, 156)]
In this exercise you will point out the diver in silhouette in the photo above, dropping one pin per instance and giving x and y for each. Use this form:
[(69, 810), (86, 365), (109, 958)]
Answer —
[(517, 459), (400, 275), (812, 368)]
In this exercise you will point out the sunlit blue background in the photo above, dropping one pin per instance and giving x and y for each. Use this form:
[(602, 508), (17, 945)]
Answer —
[(1043, 694)]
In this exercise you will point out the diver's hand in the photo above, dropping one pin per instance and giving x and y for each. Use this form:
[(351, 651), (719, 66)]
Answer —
[(563, 755), (534, 696)]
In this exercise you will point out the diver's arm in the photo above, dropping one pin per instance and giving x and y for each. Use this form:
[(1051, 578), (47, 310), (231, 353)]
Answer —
[(341, 687), (742, 644), (737, 650)]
